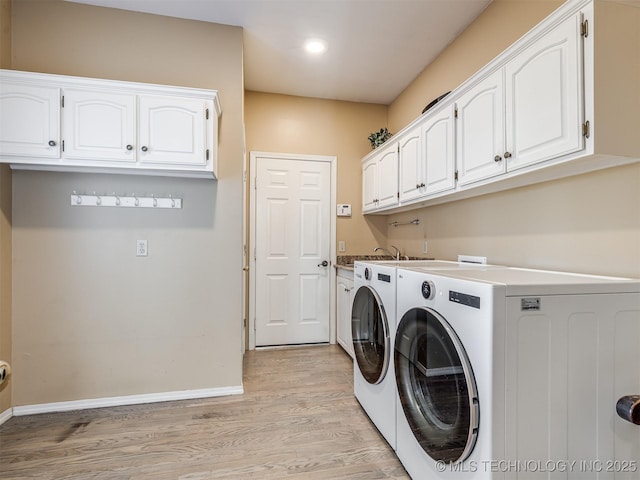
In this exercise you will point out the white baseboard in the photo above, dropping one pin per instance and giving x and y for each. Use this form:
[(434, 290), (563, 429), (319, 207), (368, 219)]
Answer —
[(125, 400), (6, 415)]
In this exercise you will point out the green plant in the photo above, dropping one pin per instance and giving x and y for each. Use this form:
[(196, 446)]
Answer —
[(378, 138)]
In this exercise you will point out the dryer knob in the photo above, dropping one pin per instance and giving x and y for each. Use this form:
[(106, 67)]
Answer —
[(428, 290), (367, 274)]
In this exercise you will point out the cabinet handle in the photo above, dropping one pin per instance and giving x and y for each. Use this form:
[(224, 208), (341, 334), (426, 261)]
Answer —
[(144, 149), (497, 158), (129, 147), (507, 154), (52, 143)]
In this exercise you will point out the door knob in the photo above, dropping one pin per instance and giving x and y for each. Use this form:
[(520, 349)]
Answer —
[(323, 264)]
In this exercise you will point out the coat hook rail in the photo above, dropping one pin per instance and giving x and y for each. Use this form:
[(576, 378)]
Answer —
[(411, 222), (133, 200)]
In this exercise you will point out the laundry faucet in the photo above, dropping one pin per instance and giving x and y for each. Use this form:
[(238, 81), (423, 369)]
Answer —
[(396, 256)]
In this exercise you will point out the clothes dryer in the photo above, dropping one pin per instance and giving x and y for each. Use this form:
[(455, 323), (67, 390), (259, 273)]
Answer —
[(373, 331), (373, 327), (506, 373)]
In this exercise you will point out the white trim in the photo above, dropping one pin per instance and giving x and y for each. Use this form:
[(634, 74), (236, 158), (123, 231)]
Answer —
[(125, 400), (252, 236), (6, 415)]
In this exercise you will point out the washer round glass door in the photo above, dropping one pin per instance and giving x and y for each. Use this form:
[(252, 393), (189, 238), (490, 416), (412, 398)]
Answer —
[(370, 334), (436, 386)]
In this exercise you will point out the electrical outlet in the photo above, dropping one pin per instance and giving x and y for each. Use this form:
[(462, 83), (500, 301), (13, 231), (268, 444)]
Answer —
[(141, 248), (424, 247)]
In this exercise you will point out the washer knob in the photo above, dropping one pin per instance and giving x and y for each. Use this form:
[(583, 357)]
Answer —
[(367, 274), (428, 290)]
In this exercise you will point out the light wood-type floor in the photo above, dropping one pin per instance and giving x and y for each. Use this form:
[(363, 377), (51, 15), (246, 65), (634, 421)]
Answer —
[(298, 419)]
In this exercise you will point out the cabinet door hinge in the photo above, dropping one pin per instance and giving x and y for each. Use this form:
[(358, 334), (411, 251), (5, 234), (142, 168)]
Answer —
[(455, 112), (586, 129), (584, 28), (63, 145), (206, 115), (455, 176), (398, 195), (207, 154), (62, 101)]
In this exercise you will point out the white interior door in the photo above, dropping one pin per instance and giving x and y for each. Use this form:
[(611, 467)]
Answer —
[(292, 240)]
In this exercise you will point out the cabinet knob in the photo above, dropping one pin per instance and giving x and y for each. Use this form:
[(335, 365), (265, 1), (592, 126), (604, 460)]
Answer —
[(144, 149), (52, 143), (129, 147), (417, 185), (497, 158), (507, 154), (422, 184)]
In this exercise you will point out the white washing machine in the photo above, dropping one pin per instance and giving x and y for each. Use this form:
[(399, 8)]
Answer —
[(373, 327), (373, 330), (506, 373)]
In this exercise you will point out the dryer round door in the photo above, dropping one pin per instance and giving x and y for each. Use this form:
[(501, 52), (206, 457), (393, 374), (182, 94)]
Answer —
[(370, 334), (436, 385)]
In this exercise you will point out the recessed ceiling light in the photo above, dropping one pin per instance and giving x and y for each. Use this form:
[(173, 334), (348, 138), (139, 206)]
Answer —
[(315, 45)]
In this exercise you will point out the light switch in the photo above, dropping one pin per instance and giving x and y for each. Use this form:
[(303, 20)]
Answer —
[(341, 246)]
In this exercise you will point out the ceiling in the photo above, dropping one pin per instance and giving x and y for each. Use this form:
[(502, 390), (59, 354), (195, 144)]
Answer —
[(375, 47)]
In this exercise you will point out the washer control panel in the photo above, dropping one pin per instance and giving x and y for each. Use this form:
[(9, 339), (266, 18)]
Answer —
[(428, 290), (464, 299)]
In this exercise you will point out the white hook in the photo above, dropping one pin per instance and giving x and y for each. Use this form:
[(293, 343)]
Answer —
[(98, 200), (136, 202), (117, 199), (155, 200), (173, 201)]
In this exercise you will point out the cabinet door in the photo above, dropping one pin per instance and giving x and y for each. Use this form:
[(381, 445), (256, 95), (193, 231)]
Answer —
[(411, 159), (369, 184), (480, 131), (99, 125), (544, 92), (343, 310), (388, 177), (29, 121), (439, 152), (172, 130)]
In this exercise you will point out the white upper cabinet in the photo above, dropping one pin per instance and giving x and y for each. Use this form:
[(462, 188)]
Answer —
[(369, 185), (388, 177), (480, 130), (99, 125), (172, 130), (544, 112), (107, 126), (29, 120), (562, 100), (439, 152), (412, 165), (380, 178)]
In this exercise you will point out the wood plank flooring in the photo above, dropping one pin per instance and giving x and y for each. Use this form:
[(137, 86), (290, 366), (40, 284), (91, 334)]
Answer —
[(298, 419)]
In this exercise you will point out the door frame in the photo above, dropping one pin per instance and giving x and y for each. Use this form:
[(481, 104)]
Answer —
[(333, 161)]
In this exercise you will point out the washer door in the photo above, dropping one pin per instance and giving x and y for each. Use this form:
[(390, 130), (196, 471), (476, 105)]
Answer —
[(436, 386), (370, 334)]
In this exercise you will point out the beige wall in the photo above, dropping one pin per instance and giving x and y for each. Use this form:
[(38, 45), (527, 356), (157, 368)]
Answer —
[(588, 223), (90, 319), (502, 23), (286, 124), (5, 223)]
